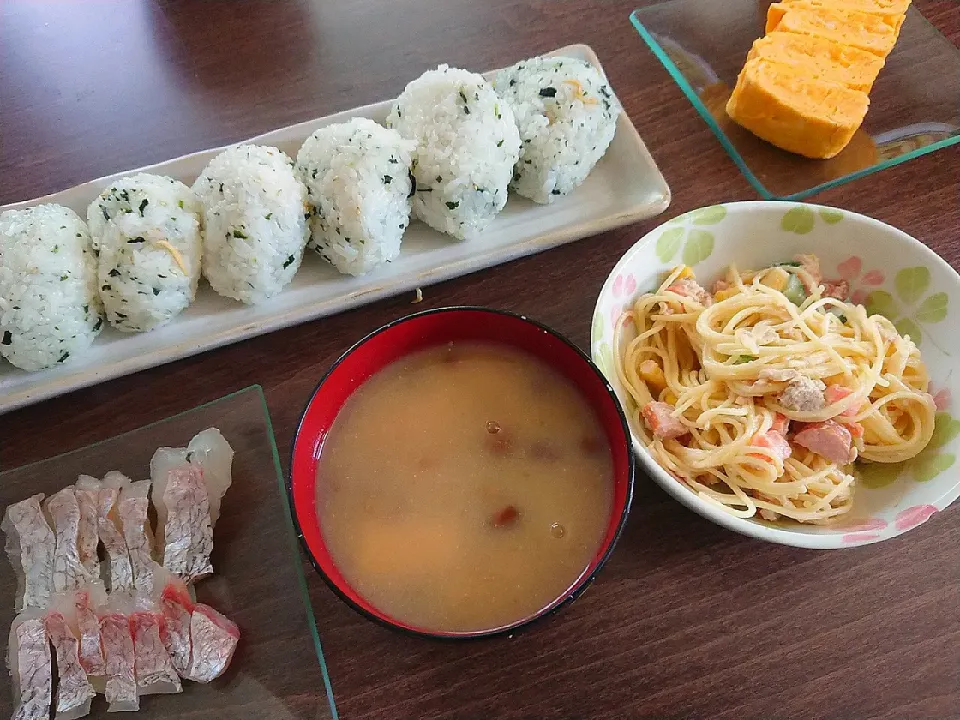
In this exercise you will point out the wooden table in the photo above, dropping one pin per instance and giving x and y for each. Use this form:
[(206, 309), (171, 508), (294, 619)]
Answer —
[(687, 620)]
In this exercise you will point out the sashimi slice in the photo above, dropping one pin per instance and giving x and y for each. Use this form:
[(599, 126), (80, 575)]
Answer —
[(186, 532), (212, 453), (108, 524), (31, 545), (74, 691), (64, 512), (188, 487), (121, 686), (213, 640), (176, 606), (132, 509), (88, 628), (153, 667), (173, 599), (88, 536), (31, 666)]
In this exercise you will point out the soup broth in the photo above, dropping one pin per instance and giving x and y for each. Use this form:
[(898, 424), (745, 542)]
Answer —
[(464, 487)]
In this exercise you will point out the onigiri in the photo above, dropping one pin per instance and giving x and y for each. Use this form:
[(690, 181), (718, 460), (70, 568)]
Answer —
[(49, 308), (567, 115), (358, 183), (467, 143), (255, 222), (146, 229)]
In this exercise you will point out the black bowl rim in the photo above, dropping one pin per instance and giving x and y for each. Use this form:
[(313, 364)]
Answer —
[(581, 584)]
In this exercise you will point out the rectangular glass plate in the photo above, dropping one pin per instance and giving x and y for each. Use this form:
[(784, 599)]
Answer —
[(914, 104), (626, 186), (258, 580)]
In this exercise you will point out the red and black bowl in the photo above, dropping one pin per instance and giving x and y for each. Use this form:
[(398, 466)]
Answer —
[(417, 332)]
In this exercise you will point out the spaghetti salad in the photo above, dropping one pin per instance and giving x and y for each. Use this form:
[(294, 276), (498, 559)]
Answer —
[(761, 394)]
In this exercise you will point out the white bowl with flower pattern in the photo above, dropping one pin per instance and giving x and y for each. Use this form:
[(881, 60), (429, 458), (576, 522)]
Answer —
[(888, 271)]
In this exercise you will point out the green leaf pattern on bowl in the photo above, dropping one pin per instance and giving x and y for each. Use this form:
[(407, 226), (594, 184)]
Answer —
[(698, 247), (831, 216), (910, 285), (668, 243), (798, 220)]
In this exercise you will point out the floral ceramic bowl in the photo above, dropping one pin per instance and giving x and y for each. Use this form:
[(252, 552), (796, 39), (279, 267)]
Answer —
[(888, 271)]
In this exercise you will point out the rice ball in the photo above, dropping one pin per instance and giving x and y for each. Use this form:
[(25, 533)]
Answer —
[(254, 220), (357, 176), (49, 308), (467, 144), (146, 229), (567, 115)]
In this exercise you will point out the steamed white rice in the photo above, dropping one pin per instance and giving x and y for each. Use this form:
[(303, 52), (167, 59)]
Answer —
[(467, 144), (147, 231), (49, 309), (567, 115), (357, 176), (255, 222)]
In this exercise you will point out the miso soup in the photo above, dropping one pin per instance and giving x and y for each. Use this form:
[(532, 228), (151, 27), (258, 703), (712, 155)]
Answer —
[(464, 487)]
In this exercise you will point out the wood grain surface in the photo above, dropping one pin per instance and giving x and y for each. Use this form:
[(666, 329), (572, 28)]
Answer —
[(687, 620)]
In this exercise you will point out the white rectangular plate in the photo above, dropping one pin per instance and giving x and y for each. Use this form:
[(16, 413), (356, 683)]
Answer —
[(625, 187)]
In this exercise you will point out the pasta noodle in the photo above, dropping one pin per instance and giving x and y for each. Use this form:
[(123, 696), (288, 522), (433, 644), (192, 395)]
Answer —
[(761, 395)]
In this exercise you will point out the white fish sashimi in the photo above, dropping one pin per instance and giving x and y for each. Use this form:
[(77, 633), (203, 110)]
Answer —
[(188, 487), (63, 509), (74, 691), (120, 573), (187, 532), (153, 667), (176, 605), (132, 509), (118, 653), (78, 610), (88, 536), (31, 666), (31, 545), (213, 640)]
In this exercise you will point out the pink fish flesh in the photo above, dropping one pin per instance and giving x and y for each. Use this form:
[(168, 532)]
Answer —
[(213, 640), (64, 512), (121, 574), (121, 687), (31, 667), (31, 545), (74, 691), (153, 667), (187, 533)]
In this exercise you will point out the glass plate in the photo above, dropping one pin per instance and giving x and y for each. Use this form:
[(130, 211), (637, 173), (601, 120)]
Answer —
[(258, 583), (914, 104)]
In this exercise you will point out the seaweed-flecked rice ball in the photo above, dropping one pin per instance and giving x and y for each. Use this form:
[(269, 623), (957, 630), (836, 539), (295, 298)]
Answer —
[(146, 229), (49, 308), (255, 222), (567, 115), (467, 144), (358, 183)]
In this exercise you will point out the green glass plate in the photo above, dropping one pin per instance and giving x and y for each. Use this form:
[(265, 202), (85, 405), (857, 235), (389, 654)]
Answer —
[(914, 104), (259, 581)]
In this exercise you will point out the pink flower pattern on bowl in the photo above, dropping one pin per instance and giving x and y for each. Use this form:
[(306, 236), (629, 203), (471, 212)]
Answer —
[(624, 286), (864, 531), (911, 517), (850, 270), (941, 398)]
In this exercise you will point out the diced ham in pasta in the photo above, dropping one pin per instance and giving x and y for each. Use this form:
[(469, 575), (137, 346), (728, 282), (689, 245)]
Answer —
[(836, 393), (839, 289), (829, 439), (774, 442), (659, 418)]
